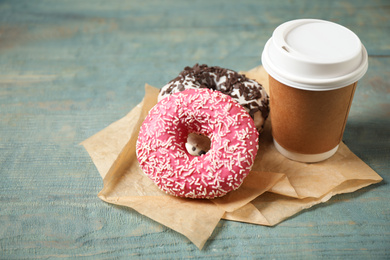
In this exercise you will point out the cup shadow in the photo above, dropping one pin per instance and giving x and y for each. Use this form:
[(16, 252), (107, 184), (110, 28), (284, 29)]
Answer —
[(370, 141)]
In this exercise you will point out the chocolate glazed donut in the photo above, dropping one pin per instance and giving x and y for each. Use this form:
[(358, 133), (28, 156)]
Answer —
[(248, 93)]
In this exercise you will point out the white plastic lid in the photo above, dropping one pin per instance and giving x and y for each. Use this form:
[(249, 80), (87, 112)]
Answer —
[(314, 55)]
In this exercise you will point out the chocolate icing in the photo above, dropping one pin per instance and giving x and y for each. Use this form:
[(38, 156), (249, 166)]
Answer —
[(204, 76)]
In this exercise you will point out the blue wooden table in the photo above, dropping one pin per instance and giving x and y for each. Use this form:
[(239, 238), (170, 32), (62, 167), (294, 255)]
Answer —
[(70, 68)]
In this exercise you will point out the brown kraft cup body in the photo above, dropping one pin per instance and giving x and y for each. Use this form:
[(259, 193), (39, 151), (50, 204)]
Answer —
[(309, 122)]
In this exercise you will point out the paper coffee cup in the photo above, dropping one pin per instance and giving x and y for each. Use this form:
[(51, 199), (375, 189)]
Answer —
[(313, 67)]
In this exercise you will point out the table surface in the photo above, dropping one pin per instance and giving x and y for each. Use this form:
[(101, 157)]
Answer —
[(70, 68)]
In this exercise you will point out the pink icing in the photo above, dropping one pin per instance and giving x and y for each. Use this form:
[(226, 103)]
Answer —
[(161, 142)]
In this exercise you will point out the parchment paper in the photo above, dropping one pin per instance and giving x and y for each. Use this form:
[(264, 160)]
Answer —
[(276, 188)]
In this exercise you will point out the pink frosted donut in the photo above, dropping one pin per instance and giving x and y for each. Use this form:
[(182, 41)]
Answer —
[(161, 142)]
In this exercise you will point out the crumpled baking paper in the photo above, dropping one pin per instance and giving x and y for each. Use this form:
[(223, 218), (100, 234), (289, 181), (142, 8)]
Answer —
[(275, 189)]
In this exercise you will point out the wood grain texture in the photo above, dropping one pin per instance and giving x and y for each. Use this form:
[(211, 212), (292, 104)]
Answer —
[(70, 68)]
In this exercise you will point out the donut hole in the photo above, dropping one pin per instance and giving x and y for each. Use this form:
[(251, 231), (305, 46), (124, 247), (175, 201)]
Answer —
[(197, 144)]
